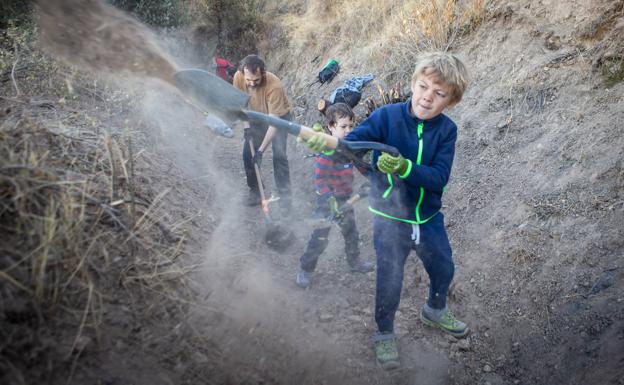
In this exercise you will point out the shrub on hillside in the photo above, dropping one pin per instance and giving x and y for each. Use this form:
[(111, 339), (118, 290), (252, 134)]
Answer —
[(159, 13), (13, 11)]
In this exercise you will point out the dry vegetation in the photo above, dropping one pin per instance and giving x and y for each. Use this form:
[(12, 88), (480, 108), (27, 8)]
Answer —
[(389, 41), (86, 228), (81, 229)]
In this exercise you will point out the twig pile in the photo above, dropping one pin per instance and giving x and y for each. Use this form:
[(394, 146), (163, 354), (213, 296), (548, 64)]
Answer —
[(395, 94), (75, 229)]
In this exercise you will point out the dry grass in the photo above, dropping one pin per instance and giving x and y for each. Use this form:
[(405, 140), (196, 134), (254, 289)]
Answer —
[(70, 232), (388, 35)]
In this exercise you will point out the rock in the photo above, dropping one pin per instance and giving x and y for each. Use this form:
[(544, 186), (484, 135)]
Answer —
[(326, 317), (354, 318), (487, 368), (605, 281), (552, 42), (200, 358), (464, 344), (120, 344), (83, 342), (400, 330), (492, 379)]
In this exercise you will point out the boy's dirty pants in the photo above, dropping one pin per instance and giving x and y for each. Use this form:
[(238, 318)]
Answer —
[(319, 240), (393, 243)]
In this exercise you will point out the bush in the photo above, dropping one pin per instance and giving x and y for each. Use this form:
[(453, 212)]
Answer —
[(16, 11), (158, 13), (238, 24)]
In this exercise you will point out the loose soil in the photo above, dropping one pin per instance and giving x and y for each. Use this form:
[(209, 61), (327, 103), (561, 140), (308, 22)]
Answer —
[(535, 213)]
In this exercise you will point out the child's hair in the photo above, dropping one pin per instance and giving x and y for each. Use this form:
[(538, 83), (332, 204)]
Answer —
[(337, 111), (447, 68)]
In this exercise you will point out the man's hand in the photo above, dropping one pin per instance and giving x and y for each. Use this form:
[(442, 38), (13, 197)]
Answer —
[(257, 158), (317, 143), (389, 164)]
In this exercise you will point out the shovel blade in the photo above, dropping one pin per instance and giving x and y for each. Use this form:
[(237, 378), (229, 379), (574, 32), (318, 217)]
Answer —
[(212, 93), (278, 237)]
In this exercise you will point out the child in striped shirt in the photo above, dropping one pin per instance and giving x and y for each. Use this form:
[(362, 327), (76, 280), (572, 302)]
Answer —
[(333, 181)]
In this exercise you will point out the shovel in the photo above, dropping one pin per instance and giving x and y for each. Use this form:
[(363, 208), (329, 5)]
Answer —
[(276, 236), (363, 193), (230, 104)]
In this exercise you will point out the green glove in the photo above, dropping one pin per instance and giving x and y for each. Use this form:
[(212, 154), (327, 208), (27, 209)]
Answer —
[(389, 164), (315, 127), (317, 143), (333, 207)]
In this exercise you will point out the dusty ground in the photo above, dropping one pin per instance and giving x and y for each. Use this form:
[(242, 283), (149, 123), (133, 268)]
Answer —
[(535, 212)]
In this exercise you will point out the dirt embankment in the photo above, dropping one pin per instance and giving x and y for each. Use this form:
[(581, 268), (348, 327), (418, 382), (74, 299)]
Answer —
[(535, 214), (535, 205)]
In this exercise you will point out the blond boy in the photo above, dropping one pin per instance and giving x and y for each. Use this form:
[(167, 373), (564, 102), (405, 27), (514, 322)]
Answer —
[(406, 196)]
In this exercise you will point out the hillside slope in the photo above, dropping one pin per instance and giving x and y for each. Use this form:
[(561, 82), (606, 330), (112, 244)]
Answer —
[(170, 281), (535, 206)]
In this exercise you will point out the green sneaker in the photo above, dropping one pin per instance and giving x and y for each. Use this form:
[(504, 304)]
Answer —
[(444, 320), (386, 350)]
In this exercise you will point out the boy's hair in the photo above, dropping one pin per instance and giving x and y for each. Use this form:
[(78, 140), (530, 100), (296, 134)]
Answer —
[(337, 111), (252, 63), (447, 68)]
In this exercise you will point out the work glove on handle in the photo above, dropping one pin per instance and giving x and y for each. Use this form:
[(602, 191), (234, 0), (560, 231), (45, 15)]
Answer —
[(318, 143), (389, 164), (257, 158), (316, 127), (333, 207)]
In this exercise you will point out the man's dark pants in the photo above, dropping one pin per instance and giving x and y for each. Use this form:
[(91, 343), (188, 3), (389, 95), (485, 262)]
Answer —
[(281, 170), (393, 243)]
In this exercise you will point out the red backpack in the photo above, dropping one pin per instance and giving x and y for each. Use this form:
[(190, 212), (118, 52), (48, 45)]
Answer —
[(225, 69)]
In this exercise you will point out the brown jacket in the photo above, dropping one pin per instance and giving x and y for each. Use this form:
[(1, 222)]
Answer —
[(269, 98)]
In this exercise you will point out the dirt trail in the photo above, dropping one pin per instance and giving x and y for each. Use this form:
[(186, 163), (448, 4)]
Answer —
[(320, 334), (534, 213)]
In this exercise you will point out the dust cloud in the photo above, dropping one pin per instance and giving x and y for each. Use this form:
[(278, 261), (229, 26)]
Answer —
[(254, 307), (95, 36)]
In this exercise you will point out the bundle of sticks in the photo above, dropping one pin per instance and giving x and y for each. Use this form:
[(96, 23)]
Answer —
[(395, 94)]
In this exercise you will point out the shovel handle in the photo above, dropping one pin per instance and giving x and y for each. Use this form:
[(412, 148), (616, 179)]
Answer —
[(293, 128), (306, 133), (263, 200)]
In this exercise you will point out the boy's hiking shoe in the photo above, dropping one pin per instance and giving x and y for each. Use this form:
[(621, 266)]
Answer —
[(361, 266), (386, 351), (303, 279), (444, 320)]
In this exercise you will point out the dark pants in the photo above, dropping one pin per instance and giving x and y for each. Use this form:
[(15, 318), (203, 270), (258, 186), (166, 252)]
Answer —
[(393, 243), (281, 171), (319, 240)]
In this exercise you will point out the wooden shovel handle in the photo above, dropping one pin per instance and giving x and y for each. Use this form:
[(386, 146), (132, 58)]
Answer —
[(263, 200)]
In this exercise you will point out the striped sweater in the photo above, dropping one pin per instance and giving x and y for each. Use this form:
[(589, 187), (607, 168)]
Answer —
[(333, 176)]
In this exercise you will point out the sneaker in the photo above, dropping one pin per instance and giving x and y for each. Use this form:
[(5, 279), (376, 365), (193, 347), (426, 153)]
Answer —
[(303, 279), (361, 266), (253, 199), (386, 351), (444, 320)]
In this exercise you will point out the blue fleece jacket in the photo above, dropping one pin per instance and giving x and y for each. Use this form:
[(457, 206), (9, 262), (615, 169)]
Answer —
[(416, 196)]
